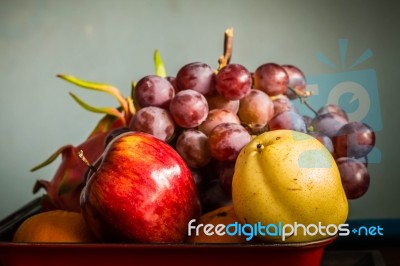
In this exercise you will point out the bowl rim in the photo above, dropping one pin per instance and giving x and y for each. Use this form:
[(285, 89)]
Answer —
[(140, 246)]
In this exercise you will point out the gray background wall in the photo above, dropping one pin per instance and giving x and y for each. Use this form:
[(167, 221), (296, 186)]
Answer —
[(113, 42)]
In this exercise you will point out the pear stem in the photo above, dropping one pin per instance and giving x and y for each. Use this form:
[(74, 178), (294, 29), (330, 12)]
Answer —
[(224, 59), (260, 147), (83, 158)]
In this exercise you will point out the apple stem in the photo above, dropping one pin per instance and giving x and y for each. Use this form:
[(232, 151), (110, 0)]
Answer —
[(302, 96), (83, 158), (224, 59)]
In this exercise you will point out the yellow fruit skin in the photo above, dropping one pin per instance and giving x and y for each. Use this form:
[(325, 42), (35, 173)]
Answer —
[(287, 176)]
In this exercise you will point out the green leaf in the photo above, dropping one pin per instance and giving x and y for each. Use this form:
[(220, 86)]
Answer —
[(51, 158), (159, 65), (101, 110)]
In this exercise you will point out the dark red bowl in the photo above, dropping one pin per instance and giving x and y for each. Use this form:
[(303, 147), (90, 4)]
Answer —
[(55, 254), (307, 254)]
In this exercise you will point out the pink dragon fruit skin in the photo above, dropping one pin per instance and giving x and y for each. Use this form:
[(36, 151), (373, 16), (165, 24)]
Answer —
[(63, 190)]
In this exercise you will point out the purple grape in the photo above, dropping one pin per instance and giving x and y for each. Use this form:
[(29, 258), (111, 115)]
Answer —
[(189, 108), (355, 139), (192, 145), (328, 124), (214, 196), (271, 78), (256, 109), (297, 80), (363, 160), (325, 140), (332, 108), (155, 121), (282, 103), (172, 80), (154, 91), (216, 117), (287, 120), (355, 177), (196, 76), (198, 178), (226, 175), (217, 101), (227, 140), (233, 82)]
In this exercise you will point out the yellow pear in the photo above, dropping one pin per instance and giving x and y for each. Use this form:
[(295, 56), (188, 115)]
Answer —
[(284, 179)]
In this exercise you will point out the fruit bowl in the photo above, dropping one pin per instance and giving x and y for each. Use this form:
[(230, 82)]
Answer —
[(306, 253), (152, 254)]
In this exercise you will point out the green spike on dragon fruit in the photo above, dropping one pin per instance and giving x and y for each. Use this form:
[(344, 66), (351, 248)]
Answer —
[(64, 189)]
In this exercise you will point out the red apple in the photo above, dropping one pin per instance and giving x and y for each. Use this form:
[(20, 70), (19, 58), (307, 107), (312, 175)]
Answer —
[(142, 191)]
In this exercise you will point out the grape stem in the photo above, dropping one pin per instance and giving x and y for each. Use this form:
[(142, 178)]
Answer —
[(224, 59), (302, 96)]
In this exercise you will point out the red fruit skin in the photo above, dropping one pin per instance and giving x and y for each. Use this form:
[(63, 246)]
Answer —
[(64, 189), (271, 78), (142, 192)]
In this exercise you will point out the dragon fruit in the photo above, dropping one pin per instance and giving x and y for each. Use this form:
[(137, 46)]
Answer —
[(64, 189)]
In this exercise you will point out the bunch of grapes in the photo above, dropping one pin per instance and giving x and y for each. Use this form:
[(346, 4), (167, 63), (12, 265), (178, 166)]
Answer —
[(209, 115)]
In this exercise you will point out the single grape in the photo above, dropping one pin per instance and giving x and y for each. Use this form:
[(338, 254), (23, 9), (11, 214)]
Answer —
[(332, 108), (363, 160), (355, 177), (189, 108), (355, 139), (217, 101), (155, 121), (196, 76), (226, 141), (325, 140), (172, 80), (198, 178), (154, 91), (216, 117), (114, 133), (226, 175), (211, 170), (328, 124), (297, 80), (287, 120), (214, 196), (282, 103), (233, 82), (192, 145), (256, 109), (271, 78)]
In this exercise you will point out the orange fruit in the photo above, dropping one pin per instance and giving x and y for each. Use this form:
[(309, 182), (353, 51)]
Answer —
[(223, 215), (54, 226)]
